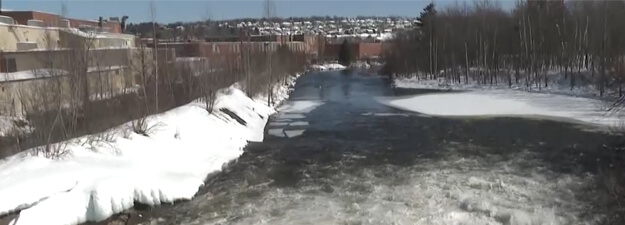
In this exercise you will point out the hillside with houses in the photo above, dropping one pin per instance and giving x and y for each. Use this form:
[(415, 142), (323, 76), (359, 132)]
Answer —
[(370, 29)]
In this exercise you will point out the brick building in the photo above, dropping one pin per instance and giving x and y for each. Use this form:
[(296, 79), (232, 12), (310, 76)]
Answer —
[(216, 47), (53, 20), (360, 50)]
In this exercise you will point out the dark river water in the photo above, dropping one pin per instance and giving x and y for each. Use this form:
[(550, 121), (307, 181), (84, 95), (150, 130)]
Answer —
[(335, 155)]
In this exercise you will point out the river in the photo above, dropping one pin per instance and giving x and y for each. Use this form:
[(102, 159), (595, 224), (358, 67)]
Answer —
[(335, 155)]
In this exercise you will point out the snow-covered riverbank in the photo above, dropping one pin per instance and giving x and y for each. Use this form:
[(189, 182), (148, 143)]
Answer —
[(98, 178), (327, 66)]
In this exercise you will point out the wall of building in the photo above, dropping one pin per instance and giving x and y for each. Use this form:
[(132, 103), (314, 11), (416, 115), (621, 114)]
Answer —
[(69, 38), (52, 38), (360, 50), (113, 26), (30, 60), (16, 96), (215, 49), (10, 35), (52, 20), (368, 50), (20, 17)]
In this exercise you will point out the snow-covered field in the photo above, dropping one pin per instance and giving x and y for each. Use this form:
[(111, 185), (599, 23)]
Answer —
[(98, 178)]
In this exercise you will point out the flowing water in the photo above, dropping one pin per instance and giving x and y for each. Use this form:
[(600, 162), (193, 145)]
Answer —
[(334, 155)]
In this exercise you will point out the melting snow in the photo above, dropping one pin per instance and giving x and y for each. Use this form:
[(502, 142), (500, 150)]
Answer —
[(12, 125), (329, 66)]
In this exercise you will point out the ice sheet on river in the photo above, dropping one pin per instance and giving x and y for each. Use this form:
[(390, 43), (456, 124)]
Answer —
[(289, 121), (508, 103)]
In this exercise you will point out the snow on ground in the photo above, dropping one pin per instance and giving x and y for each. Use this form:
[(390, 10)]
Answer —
[(98, 178), (327, 66), (557, 100), (385, 36), (12, 125), (379, 37), (558, 84), (30, 74), (508, 103), (360, 64), (47, 73)]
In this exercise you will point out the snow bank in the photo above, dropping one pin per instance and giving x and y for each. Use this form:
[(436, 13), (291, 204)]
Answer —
[(413, 82), (327, 66), (361, 64), (558, 84), (99, 178), (507, 103), (9, 124)]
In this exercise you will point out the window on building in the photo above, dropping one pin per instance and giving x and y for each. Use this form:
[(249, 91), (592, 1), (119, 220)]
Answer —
[(8, 65)]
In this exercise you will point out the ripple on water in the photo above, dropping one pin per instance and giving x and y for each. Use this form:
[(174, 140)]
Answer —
[(454, 190)]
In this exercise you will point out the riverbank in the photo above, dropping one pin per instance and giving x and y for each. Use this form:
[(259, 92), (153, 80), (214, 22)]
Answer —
[(98, 177)]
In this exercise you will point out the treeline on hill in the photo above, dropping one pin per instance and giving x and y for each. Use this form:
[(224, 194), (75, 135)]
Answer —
[(76, 103), (583, 42)]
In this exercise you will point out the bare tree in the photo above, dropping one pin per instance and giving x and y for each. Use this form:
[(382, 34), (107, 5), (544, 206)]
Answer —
[(64, 12), (269, 10), (525, 45), (155, 42)]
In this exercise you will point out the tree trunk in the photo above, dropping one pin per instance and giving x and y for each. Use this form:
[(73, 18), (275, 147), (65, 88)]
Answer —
[(466, 58)]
